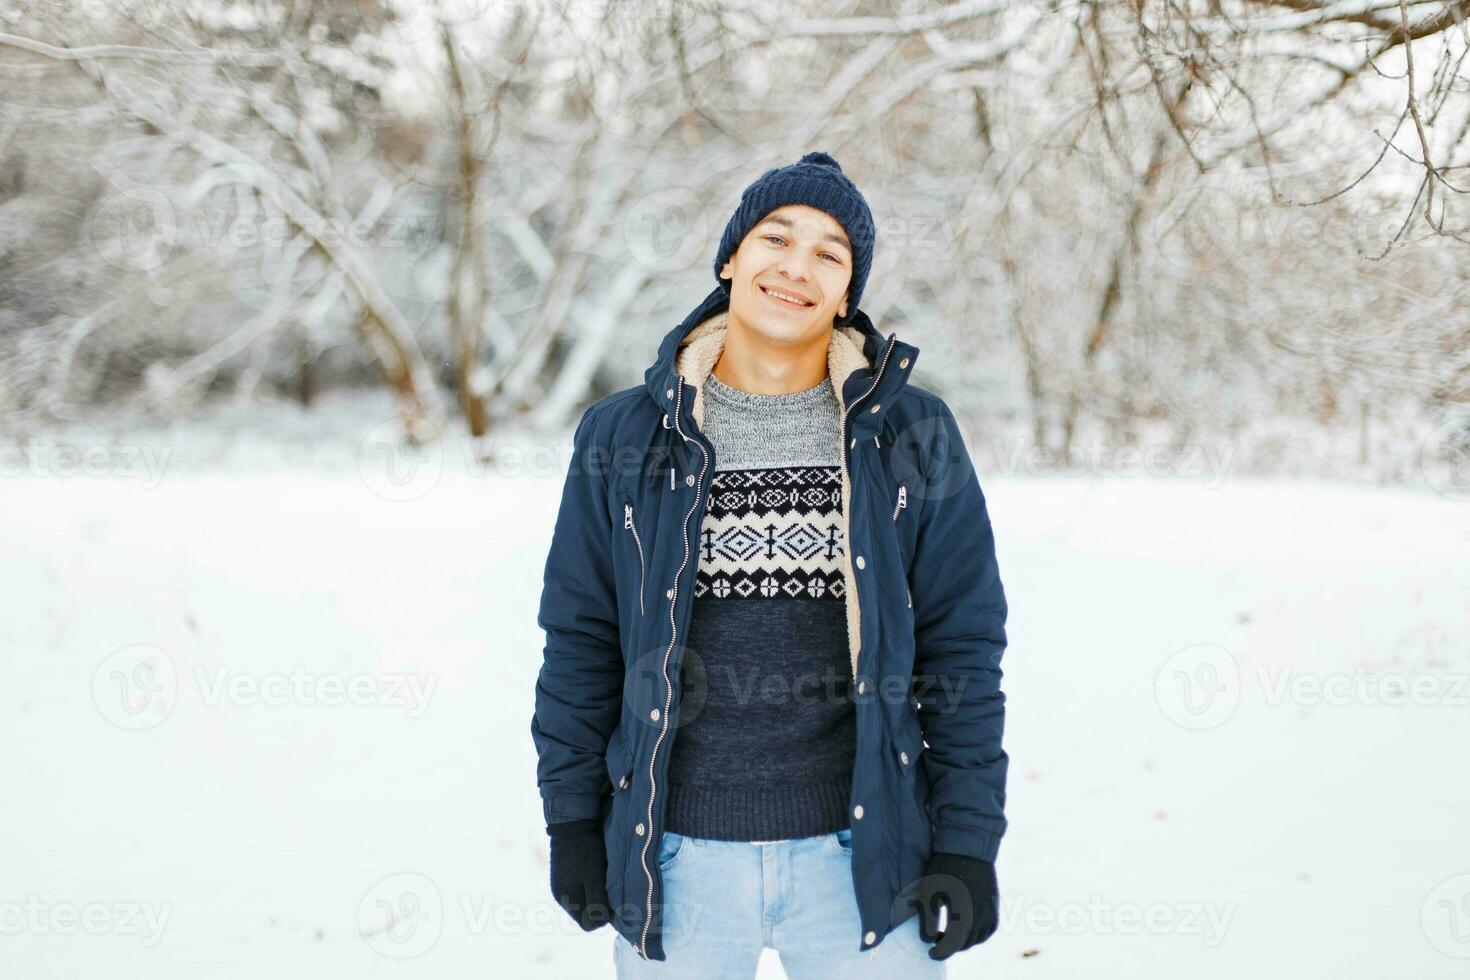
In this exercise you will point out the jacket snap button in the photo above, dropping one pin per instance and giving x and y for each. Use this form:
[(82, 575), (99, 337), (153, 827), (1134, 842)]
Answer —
[(668, 593), (669, 393), (861, 686), (904, 363), (623, 783), (853, 443), (860, 562), (870, 938), (689, 480), (638, 830), (905, 757), (857, 811), (874, 408), (653, 714)]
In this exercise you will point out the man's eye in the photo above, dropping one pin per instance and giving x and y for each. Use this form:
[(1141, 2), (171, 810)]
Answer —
[(775, 238)]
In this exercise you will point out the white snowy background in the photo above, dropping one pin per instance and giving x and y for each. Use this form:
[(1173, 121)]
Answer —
[(1191, 273), (1182, 801)]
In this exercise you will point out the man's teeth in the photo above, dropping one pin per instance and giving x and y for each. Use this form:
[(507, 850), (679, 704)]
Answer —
[(787, 297)]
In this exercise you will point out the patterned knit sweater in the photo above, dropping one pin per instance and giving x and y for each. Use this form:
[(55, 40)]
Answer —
[(764, 749)]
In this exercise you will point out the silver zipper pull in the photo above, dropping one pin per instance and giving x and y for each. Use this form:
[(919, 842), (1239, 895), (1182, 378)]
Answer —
[(627, 515), (903, 496)]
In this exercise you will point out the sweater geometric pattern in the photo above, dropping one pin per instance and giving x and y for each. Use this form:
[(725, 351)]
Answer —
[(773, 533)]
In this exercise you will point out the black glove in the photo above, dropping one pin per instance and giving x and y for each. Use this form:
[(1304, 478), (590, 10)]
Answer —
[(579, 872), (966, 885)]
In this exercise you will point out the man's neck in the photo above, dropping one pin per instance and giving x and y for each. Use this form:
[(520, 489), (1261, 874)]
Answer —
[(751, 364)]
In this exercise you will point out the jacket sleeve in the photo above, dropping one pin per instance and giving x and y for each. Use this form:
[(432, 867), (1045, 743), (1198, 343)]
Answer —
[(580, 685), (959, 629)]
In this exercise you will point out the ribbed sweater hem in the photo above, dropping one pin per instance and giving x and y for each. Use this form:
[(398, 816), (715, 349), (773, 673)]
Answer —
[(758, 811)]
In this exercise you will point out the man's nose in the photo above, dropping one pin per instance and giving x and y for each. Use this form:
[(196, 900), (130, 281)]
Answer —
[(794, 267)]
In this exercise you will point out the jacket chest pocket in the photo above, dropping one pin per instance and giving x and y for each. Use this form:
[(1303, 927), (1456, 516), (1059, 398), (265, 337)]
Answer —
[(630, 528), (900, 523)]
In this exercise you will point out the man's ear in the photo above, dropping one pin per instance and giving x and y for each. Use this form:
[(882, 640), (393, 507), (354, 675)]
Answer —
[(727, 272)]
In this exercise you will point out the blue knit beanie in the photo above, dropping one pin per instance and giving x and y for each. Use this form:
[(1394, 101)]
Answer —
[(815, 180)]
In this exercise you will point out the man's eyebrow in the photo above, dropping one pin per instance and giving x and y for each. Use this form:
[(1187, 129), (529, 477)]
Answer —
[(788, 224)]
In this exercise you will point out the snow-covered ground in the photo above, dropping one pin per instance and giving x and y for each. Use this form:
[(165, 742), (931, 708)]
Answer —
[(248, 709)]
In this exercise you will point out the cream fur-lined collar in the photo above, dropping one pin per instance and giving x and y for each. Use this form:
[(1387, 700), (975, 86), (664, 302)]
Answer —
[(701, 348)]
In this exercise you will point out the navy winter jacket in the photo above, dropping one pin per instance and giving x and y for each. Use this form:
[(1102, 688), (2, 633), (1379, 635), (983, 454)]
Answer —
[(926, 620)]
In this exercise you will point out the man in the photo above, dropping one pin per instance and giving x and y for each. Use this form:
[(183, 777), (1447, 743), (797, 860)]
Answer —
[(769, 713)]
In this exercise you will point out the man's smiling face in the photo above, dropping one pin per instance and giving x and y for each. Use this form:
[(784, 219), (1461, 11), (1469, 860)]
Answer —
[(789, 277)]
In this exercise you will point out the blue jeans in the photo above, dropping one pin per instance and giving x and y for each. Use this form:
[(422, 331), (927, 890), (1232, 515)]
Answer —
[(725, 901)]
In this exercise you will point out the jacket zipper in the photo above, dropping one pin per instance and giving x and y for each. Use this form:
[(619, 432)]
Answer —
[(847, 470), (903, 501), (668, 689), (628, 523)]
